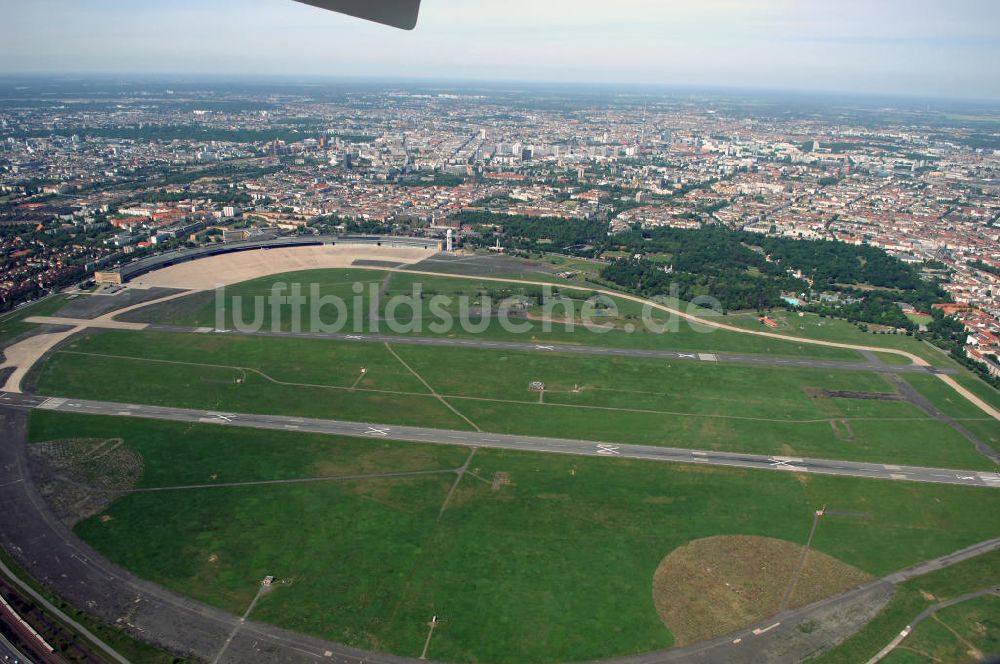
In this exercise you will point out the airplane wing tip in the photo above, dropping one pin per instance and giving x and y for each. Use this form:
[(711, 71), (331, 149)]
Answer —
[(400, 14)]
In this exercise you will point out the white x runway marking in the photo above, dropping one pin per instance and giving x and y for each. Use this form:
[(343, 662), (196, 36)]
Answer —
[(374, 431), (608, 450), (545, 347)]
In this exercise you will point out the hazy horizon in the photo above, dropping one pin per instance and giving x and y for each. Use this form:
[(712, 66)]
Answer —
[(915, 48)]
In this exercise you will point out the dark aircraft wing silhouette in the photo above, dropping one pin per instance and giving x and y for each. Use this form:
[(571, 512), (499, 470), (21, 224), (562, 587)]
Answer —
[(397, 13)]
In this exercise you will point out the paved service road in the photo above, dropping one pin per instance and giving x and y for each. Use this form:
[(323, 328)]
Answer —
[(522, 346), (927, 613), (511, 442)]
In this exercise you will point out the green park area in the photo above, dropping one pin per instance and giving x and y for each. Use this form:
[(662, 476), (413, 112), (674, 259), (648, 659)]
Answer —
[(553, 556)]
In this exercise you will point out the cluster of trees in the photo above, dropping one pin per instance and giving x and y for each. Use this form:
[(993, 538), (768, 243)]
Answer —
[(828, 263), (985, 267), (709, 249), (739, 269), (732, 288), (845, 267), (708, 261), (362, 226), (581, 237), (875, 307), (748, 271)]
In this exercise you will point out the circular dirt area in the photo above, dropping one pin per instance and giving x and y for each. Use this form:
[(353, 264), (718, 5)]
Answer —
[(716, 585)]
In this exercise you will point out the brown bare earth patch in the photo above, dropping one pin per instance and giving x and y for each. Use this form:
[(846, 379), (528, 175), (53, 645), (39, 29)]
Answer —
[(561, 497), (500, 480), (661, 500), (716, 585), (842, 430), (822, 576), (80, 477), (818, 393), (822, 402)]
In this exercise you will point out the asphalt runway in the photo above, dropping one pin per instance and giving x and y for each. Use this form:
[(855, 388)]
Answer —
[(873, 365), (512, 442), (543, 347)]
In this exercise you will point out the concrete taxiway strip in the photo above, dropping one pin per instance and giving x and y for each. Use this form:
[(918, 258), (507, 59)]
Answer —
[(512, 442), (24, 354), (84, 322), (519, 346)]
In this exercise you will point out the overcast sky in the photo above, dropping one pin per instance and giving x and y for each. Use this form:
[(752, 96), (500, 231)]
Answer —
[(939, 48)]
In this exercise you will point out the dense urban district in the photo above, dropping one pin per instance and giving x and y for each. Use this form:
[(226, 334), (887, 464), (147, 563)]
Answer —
[(883, 212)]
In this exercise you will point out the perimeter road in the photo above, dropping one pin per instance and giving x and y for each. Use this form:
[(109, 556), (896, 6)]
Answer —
[(246, 614), (511, 442), (927, 613)]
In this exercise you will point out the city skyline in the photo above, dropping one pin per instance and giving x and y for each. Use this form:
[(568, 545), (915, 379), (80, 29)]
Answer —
[(921, 49)]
